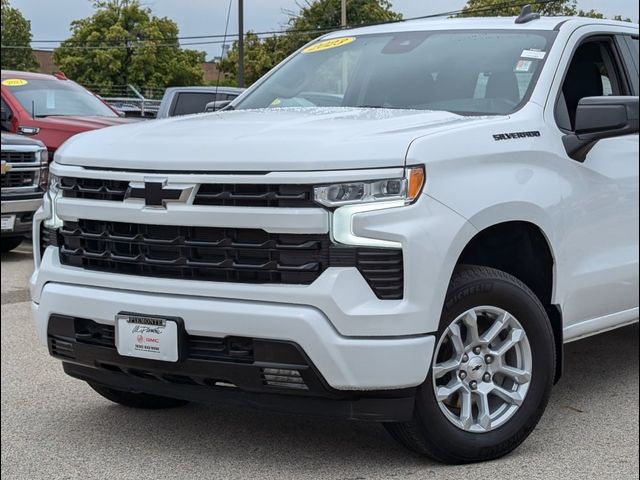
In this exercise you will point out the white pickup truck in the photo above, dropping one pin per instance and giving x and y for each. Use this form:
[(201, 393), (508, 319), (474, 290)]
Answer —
[(401, 223)]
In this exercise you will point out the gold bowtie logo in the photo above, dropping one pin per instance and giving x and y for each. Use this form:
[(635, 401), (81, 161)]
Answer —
[(5, 167)]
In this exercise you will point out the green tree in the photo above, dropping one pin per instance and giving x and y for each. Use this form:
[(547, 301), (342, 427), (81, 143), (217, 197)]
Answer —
[(123, 43), (16, 32), (313, 19), (490, 8)]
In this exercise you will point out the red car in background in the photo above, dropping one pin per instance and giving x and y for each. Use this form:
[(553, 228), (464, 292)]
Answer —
[(51, 108)]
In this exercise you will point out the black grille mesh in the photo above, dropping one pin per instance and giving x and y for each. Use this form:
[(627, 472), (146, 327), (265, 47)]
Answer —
[(222, 254), (18, 178), (228, 195), (18, 157)]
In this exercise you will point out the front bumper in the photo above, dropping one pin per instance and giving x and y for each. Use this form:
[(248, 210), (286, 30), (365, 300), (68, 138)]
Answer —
[(343, 363), (23, 209)]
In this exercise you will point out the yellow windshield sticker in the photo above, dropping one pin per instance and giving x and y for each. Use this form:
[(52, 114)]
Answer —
[(327, 44), (276, 101), (14, 82)]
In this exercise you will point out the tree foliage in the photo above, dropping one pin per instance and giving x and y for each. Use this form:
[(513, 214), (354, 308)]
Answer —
[(314, 18), (123, 43), (16, 32), (497, 8)]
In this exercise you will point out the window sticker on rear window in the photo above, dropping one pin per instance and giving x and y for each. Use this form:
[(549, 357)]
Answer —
[(523, 65), (537, 54), (14, 82)]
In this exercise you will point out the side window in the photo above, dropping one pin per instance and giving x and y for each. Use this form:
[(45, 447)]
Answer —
[(5, 125), (593, 72)]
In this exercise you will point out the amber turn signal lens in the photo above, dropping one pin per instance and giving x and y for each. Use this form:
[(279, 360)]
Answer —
[(415, 182)]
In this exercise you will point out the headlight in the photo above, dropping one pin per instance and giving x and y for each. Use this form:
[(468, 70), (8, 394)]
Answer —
[(406, 189), (52, 196)]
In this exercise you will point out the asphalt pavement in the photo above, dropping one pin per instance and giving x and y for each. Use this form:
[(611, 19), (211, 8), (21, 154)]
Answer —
[(55, 427)]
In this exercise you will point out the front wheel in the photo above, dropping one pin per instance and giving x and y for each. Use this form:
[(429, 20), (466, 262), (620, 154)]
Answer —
[(491, 375)]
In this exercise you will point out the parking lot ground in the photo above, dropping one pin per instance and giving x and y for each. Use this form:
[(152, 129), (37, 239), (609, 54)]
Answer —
[(56, 427)]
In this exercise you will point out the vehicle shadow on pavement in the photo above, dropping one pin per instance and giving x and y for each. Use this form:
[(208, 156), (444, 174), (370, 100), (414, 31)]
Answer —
[(19, 254), (202, 438)]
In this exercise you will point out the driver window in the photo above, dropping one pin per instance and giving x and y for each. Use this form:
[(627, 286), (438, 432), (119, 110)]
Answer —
[(592, 73), (5, 126)]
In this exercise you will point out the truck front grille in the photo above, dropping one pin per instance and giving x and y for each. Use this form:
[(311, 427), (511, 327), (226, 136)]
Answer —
[(18, 157), (224, 195), (240, 195), (223, 254), (19, 178)]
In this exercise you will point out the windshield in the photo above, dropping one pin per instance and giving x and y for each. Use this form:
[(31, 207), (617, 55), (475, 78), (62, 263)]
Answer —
[(43, 98), (464, 72)]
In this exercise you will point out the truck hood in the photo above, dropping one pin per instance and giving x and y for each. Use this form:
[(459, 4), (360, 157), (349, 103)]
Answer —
[(72, 123), (261, 140)]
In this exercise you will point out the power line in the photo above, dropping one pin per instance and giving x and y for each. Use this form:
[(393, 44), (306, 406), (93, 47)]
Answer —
[(143, 43)]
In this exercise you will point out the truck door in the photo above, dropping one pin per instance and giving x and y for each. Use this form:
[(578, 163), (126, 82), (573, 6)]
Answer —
[(601, 246)]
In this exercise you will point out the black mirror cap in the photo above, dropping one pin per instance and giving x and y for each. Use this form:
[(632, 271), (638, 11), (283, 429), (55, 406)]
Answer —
[(216, 105), (598, 118)]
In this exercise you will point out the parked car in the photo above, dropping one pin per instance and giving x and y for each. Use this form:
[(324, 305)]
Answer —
[(186, 100), (24, 179), (51, 108), (417, 255)]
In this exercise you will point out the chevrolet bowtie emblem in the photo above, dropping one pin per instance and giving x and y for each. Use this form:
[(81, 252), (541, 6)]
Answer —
[(5, 167), (156, 194)]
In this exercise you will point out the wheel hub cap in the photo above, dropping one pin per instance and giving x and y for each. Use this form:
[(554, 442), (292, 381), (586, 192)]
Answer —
[(482, 369)]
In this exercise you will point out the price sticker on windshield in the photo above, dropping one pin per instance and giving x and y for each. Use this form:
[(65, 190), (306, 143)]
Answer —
[(14, 82), (328, 44)]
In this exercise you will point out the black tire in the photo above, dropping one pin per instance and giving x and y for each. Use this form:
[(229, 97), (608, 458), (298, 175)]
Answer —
[(430, 432), (137, 400), (9, 243)]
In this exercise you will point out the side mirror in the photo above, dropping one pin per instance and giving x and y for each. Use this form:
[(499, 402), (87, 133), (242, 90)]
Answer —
[(216, 105), (5, 115), (598, 118)]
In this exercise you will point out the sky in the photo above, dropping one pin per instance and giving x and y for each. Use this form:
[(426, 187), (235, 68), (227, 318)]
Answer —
[(50, 19)]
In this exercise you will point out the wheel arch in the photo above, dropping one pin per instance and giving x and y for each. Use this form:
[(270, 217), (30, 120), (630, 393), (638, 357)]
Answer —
[(523, 248)]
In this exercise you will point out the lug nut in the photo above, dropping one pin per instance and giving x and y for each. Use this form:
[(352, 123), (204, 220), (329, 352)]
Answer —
[(477, 350), (473, 385), (465, 358), (463, 375), (486, 377), (488, 359)]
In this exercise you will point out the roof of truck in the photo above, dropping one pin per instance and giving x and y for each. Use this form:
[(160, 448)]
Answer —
[(480, 23)]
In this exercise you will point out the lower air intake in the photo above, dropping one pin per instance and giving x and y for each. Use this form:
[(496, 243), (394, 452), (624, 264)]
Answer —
[(283, 378)]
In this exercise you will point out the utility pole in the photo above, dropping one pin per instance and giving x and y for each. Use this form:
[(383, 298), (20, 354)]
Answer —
[(344, 13), (240, 44)]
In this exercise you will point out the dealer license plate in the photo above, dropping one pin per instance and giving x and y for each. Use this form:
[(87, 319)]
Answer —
[(149, 337), (8, 221)]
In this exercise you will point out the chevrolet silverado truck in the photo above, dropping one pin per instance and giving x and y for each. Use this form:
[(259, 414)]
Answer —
[(51, 108), (24, 178), (401, 223)]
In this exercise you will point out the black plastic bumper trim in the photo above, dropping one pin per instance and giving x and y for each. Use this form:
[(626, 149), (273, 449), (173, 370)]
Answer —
[(361, 408)]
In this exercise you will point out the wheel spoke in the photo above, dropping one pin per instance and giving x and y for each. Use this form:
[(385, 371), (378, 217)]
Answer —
[(445, 391), (515, 336), (498, 325), (441, 369), (466, 412), (456, 338), (514, 398), (520, 376), (484, 413), (470, 320)]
